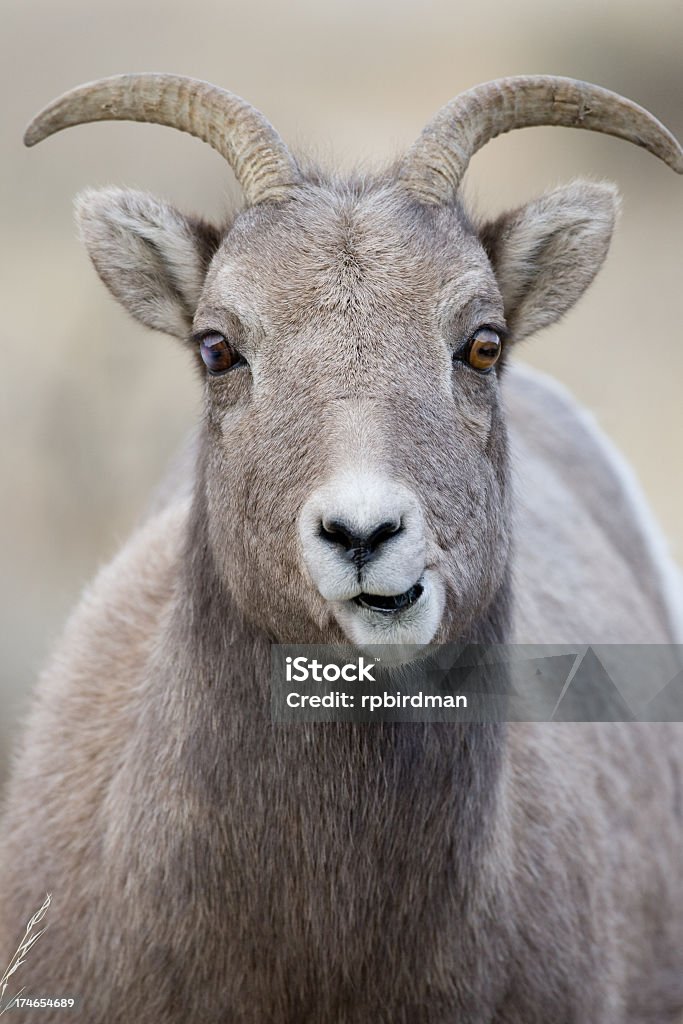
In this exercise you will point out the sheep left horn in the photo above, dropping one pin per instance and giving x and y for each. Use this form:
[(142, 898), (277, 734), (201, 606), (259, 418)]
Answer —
[(434, 166)]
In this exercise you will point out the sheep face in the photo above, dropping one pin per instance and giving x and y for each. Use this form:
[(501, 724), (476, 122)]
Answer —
[(355, 459)]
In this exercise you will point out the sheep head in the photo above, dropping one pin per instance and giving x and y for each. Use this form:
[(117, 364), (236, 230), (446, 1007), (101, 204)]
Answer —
[(352, 338)]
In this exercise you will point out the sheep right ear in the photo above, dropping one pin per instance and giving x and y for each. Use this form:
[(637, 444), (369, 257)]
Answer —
[(152, 258)]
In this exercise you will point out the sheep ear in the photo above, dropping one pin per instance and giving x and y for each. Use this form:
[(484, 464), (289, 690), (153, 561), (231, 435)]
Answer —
[(545, 254), (152, 258)]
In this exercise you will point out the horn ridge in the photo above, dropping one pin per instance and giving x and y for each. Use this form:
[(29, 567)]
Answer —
[(262, 164), (435, 164)]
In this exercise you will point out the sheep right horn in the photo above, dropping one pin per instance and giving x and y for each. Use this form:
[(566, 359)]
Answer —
[(262, 163), (434, 166)]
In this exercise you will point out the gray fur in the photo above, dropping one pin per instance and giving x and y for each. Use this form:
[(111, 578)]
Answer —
[(209, 866)]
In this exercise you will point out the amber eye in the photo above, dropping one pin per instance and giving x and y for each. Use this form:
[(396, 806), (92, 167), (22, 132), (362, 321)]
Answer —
[(484, 349), (218, 354)]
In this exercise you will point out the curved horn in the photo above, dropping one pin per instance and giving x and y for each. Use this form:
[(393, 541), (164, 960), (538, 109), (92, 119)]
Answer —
[(262, 164), (434, 166)]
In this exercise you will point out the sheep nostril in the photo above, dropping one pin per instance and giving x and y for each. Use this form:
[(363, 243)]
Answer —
[(383, 532), (336, 532)]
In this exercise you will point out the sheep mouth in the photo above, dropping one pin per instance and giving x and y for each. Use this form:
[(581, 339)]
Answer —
[(390, 605)]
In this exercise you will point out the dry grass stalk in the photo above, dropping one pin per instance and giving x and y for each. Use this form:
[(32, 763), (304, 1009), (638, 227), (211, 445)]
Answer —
[(20, 955)]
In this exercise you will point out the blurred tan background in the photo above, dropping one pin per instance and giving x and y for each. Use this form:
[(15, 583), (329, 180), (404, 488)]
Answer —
[(93, 406)]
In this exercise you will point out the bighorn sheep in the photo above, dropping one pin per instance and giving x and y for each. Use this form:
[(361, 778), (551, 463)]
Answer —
[(207, 865)]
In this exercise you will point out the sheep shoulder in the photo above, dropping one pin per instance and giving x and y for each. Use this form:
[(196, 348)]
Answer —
[(82, 715), (590, 562)]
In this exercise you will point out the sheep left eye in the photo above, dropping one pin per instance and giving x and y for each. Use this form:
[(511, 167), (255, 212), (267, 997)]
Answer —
[(484, 349), (218, 354)]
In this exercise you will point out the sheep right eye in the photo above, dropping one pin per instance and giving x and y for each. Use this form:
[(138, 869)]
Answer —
[(218, 354)]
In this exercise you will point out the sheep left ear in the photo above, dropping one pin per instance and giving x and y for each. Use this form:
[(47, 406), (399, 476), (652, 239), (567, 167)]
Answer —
[(545, 254)]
